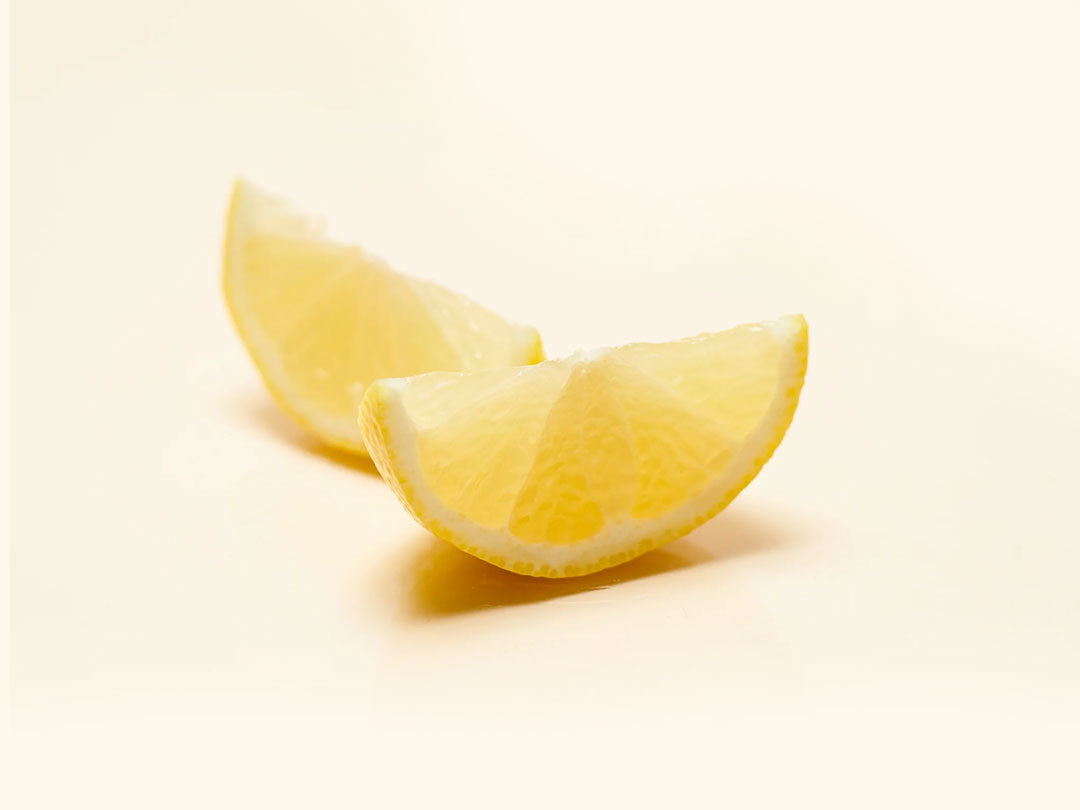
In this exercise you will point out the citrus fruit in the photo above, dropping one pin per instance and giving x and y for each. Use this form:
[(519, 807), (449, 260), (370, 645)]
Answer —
[(322, 319), (573, 465)]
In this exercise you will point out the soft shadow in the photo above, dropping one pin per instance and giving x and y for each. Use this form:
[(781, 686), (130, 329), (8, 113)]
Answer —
[(265, 415), (441, 581)]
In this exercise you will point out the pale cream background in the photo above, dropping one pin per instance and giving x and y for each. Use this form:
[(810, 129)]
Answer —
[(209, 611)]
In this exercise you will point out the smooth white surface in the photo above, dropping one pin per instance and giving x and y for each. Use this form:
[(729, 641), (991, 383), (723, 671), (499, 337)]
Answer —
[(209, 611)]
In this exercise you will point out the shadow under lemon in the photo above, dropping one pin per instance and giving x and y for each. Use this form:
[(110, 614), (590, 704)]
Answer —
[(440, 580), (267, 416)]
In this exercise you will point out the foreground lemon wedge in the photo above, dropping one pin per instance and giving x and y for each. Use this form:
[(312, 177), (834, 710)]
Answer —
[(574, 465), (322, 320)]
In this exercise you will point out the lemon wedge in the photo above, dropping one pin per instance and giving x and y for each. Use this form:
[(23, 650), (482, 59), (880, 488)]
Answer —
[(321, 319), (574, 465)]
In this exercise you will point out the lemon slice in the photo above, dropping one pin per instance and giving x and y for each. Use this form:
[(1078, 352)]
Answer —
[(574, 465), (322, 320)]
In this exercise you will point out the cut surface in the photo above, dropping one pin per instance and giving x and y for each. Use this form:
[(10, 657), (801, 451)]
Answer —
[(574, 465), (322, 320)]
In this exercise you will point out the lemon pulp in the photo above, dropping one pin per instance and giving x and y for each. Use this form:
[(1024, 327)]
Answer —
[(322, 320), (573, 465)]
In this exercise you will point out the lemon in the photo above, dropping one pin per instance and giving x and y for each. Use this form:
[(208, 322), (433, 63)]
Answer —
[(574, 465), (322, 320)]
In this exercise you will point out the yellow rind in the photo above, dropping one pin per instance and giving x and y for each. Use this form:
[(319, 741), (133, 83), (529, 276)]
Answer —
[(235, 230), (374, 425)]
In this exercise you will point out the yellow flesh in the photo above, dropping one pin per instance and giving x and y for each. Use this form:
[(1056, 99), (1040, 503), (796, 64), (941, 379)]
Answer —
[(615, 448), (323, 320)]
